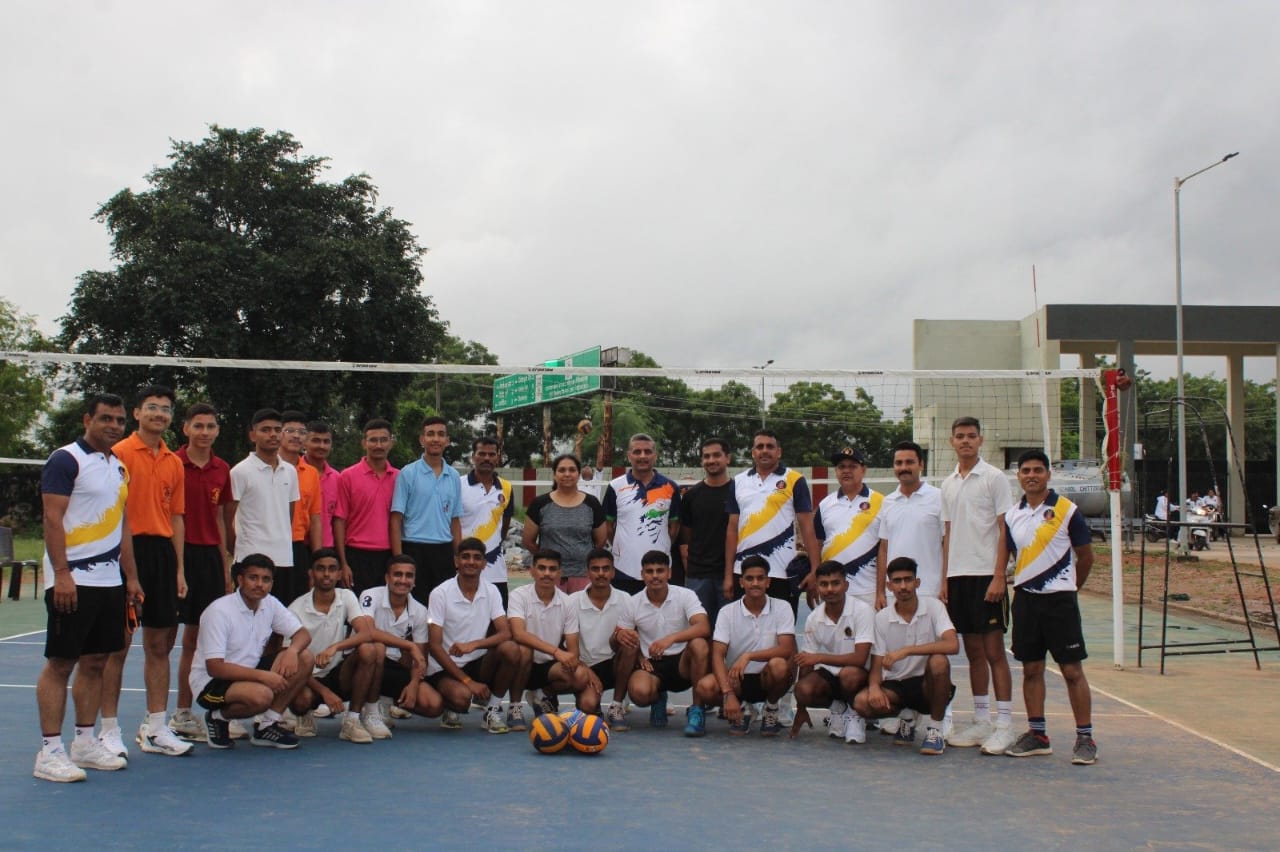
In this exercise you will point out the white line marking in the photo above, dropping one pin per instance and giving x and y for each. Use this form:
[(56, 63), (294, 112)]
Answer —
[(19, 635)]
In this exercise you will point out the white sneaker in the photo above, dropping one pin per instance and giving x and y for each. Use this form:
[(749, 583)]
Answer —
[(113, 741), (163, 741), (836, 719), (1001, 739), (398, 712), (93, 753), (948, 725), (236, 730), (855, 728), (306, 726), (56, 766), (353, 731), (974, 735), (375, 725), (185, 724), (493, 721)]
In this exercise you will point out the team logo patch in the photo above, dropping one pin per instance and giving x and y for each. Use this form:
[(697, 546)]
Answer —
[(864, 505), (848, 632), (779, 485), (1048, 514), (502, 498), (214, 494)]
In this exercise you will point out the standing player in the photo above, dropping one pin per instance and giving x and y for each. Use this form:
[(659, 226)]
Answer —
[(362, 518), (975, 498), (157, 499), (305, 531), (472, 655), (1053, 555), (544, 623), (83, 490), (667, 629), (847, 523), (234, 676), (909, 665), (758, 634), (318, 443), (642, 513), (426, 510), (835, 655), (207, 561), (704, 521), (600, 606), (263, 492), (769, 501), (337, 627), (487, 509), (911, 523)]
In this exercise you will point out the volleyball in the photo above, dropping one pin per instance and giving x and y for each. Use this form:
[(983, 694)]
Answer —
[(589, 734), (549, 733)]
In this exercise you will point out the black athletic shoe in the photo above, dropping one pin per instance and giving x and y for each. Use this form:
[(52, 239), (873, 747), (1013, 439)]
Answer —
[(217, 731), (272, 736)]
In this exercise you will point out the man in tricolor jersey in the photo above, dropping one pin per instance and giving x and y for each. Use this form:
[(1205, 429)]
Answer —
[(1049, 540)]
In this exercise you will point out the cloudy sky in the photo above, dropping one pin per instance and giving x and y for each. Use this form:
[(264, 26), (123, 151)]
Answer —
[(712, 183)]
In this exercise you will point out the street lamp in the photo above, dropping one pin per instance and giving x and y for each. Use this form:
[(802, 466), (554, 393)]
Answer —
[(1182, 402), (762, 367)]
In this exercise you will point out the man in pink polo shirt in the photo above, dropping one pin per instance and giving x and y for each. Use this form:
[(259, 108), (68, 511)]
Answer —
[(318, 443), (362, 515)]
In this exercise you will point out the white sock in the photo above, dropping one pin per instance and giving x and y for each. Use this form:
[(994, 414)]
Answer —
[(495, 703), (217, 714), (371, 708), (982, 708), (110, 724), (270, 717), (83, 732), (934, 724), (1004, 713), (49, 745), (155, 721), (351, 714)]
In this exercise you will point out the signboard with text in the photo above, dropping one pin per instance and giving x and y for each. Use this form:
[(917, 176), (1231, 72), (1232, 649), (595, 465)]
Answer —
[(524, 389)]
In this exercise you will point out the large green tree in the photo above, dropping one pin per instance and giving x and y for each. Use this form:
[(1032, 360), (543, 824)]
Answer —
[(22, 386), (814, 419), (239, 249)]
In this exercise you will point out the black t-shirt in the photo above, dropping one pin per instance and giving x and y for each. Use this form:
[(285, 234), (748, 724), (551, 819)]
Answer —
[(703, 512)]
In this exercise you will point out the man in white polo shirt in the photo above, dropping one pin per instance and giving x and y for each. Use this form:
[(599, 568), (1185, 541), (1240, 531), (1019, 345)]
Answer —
[(642, 513), (758, 633), (231, 677), (975, 498), (467, 659), (400, 631), (263, 491), (667, 628), (487, 509), (543, 619), (346, 657), (911, 523), (600, 606)]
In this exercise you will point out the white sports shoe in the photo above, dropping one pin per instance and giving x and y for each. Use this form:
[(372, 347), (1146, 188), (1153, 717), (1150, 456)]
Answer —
[(306, 726), (974, 735), (237, 730), (185, 724), (1001, 739), (353, 731), (836, 719), (93, 753), (375, 725), (493, 721), (57, 767), (163, 741), (855, 728), (113, 742)]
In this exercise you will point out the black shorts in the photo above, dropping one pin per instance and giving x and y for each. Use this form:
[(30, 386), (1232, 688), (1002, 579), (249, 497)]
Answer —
[(333, 682), (1047, 623), (158, 575), (368, 568), (214, 694), (539, 674), (202, 565), (910, 693), (624, 583), (604, 671), (968, 608), (96, 626), (435, 566), (667, 671), (830, 678), (752, 688), (395, 677), (471, 670)]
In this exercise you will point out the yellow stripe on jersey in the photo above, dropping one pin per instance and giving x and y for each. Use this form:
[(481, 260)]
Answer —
[(772, 506), (860, 523), (486, 530), (1045, 533), (102, 527)]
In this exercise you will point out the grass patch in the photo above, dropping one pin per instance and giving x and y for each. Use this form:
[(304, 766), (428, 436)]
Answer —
[(28, 547)]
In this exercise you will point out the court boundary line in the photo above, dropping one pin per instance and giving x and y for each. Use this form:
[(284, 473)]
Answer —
[(21, 635)]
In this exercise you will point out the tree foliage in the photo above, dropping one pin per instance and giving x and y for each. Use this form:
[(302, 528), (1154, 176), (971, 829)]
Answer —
[(22, 386), (814, 419), (238, 249)]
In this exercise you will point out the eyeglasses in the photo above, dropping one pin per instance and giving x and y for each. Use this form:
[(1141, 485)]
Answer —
[(295, 431), (151, 407)]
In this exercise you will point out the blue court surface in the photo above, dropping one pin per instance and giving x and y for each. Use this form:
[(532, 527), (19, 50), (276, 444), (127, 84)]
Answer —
[(1154, 786)]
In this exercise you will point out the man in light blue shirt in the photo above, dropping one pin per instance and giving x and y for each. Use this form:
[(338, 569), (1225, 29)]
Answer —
[(426, 510)]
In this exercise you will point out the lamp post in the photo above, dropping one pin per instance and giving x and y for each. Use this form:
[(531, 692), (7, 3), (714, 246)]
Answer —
[(761, 368), (1182, 403)]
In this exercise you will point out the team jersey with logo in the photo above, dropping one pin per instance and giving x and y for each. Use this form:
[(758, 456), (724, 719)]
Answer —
[(766, 508), (98, 487), (849, 530), (1042, 539), (484, 511), (642, 515)]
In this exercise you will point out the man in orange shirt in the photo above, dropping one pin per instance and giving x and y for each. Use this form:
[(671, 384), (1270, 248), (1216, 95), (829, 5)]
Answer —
[(294, 581), (155, 507)]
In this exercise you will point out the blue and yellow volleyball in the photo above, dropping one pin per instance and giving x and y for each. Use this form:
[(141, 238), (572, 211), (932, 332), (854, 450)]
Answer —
[(549, 733), (571, 717), (589, 734)]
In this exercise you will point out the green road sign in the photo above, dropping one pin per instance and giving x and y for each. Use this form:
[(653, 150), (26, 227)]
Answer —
[(525, 389)]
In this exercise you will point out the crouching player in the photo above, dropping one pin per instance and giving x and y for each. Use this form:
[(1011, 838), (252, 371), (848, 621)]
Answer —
[(835, 652), (599, 607), (231, 676), (346, 657), (758, 633), (542, 620), (909, 665)]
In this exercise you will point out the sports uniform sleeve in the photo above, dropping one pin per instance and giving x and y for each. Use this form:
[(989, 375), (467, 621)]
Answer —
[(342, 508), (455, 485), (236, 478), (350, 605), (1008, 538), (224, 493), (419, 621), (686, 505), (509, 511), (691, 602), (818, 529), (59, 474), (809, 640), (534, 512), (295, 494), (784, 623), (880, 634), (863, 623), (212, 641), (610, 503), (731, 504), (436, 607), (801, 498), (283, 621), (627, 615), (673, 514), (366, 605), (941, 620), (516, 607), (570, 616), (400, 495), (721, 633), (597, 512), (178, 504), (1001, 494), (1078, 529)]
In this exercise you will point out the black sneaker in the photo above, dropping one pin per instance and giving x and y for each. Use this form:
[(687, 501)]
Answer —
[(272, 736), (217, 731)]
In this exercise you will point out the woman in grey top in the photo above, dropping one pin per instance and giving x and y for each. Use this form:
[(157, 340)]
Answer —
[(567, 520)]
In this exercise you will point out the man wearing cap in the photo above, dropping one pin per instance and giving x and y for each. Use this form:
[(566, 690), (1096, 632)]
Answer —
[(847, 522)]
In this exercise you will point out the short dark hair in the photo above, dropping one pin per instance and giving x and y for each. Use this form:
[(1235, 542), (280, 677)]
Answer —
[(471, 543), (323, 553), (253, 560), (755, 560), (830, 567), (434, 420), (548, 554), (724, 445), (1034, 455), (377, 423), (902, 563), (966, 420), (106, 400), (147, 391), (486, 441), (264, 414), (767, 433), (908, 446), (319, 427), (641, 436), (293, 416), (600, 553), (196, 409), (656, 557), (403, 559)]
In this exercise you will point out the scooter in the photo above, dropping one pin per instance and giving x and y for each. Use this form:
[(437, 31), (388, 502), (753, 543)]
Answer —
[(1199, 534), (1156, 529)]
